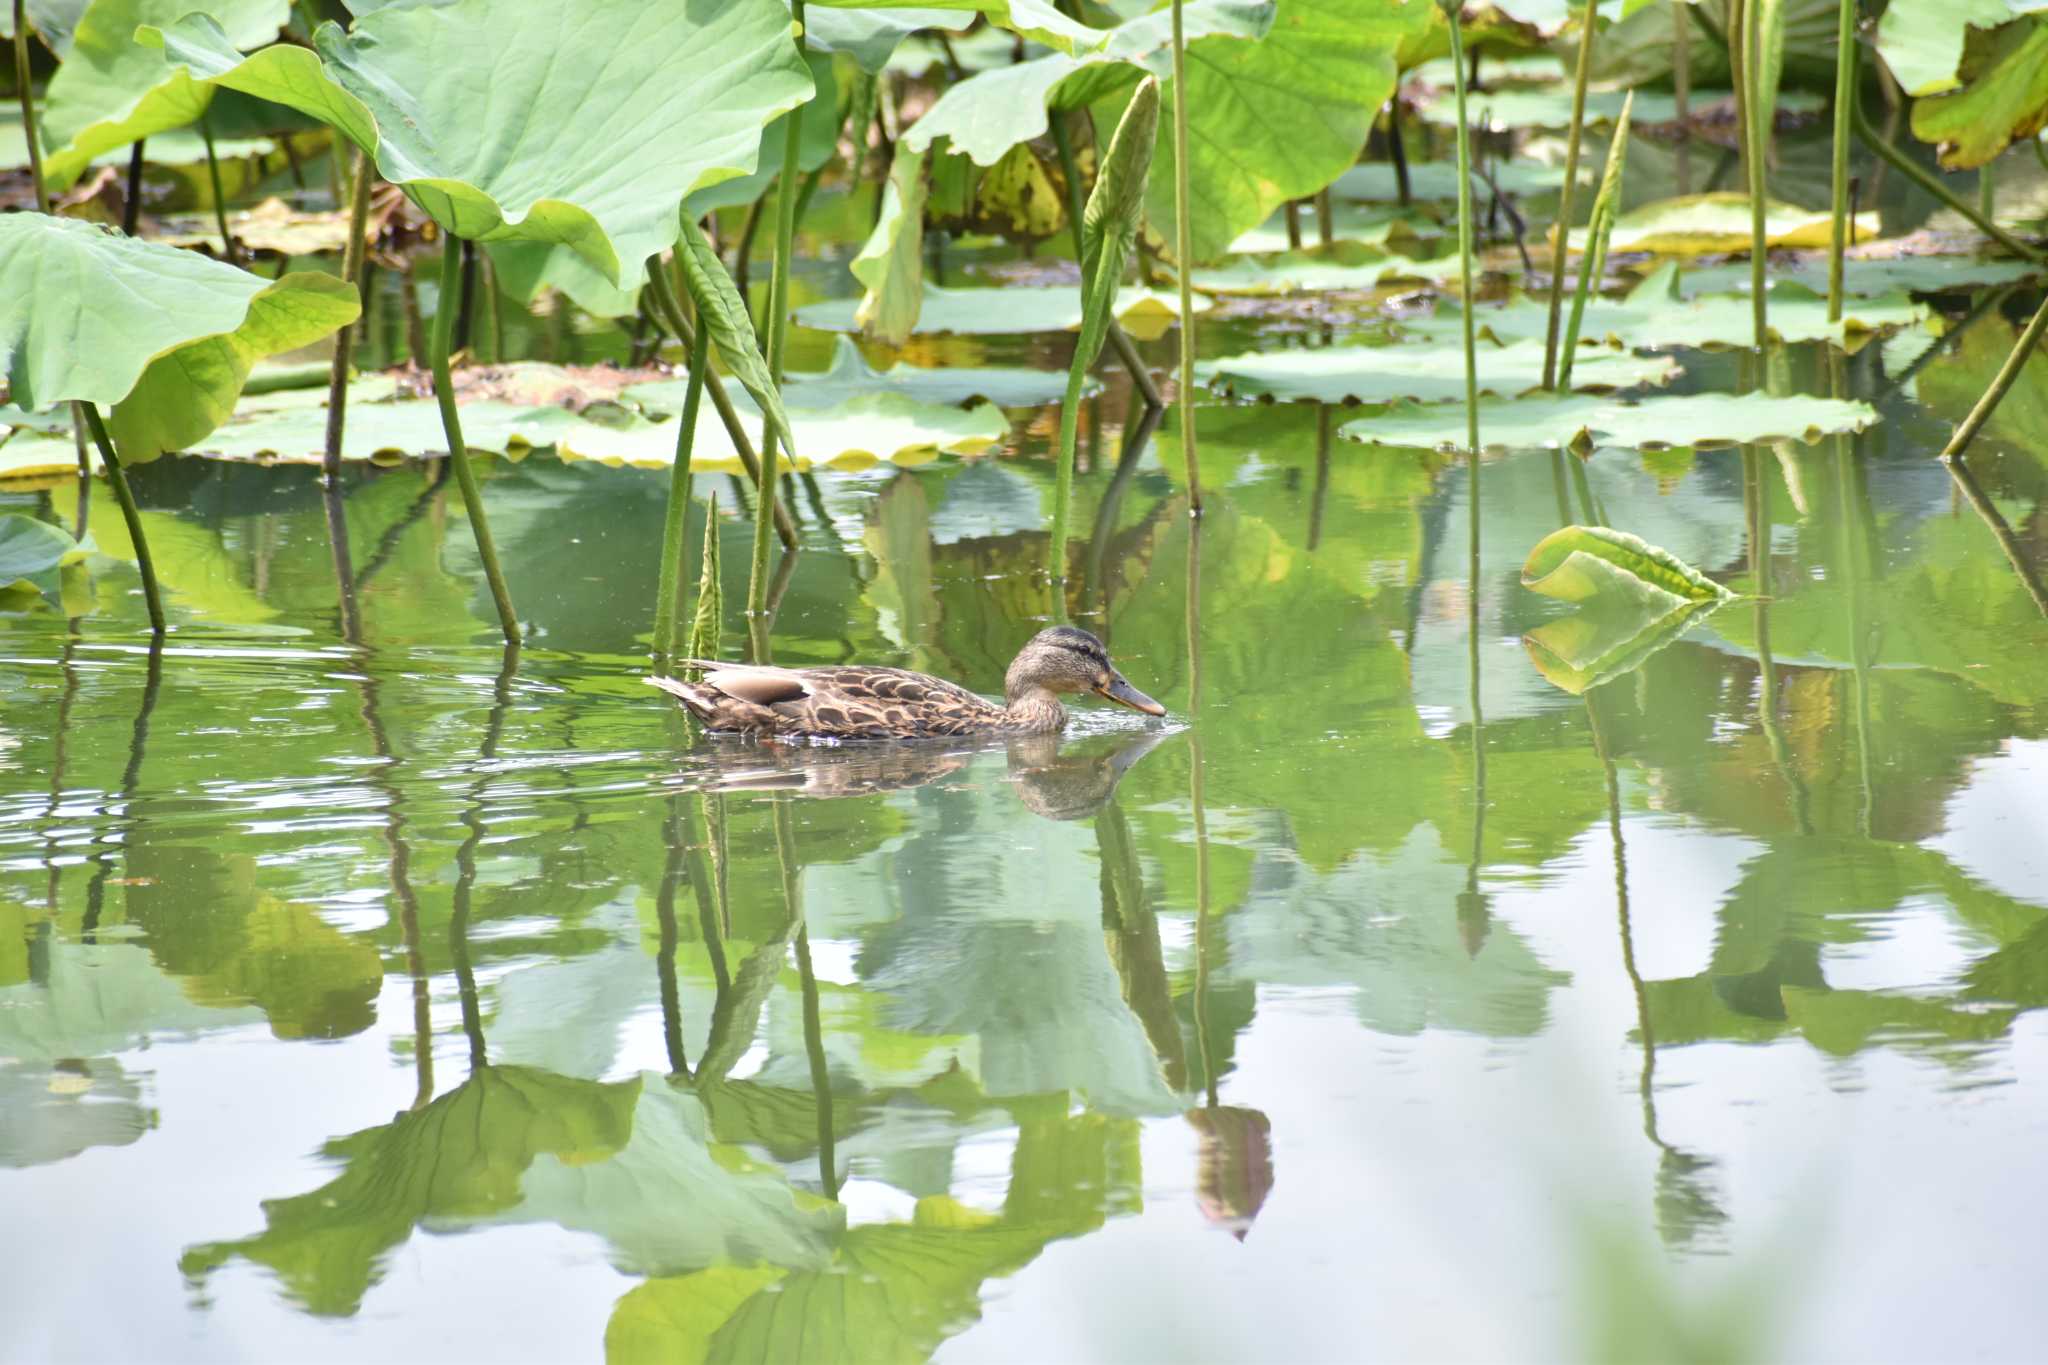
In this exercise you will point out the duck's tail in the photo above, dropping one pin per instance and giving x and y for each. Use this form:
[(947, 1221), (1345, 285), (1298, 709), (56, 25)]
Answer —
[(702, 700)]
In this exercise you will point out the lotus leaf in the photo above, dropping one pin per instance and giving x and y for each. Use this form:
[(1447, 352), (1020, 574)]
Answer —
[(682, 95), (1699, 224), (1039, 20), (869, 36), (1652, 316), (171, 147), (1603, 567), (31, 455), (54, 21), (854, 432), (1865, 276), (850, 376), (987, 114), (992, 312), (815, 145), (112, 89), (891, 264), (1922, 40), (32, 551), (1582, 421), (1428, 373), (171, 361), (524, 269), (2006, 99), (272, 225), (383, 432), (1351, 223), (1341, 269)]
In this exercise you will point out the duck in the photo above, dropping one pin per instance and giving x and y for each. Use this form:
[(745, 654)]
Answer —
[(867, 701)]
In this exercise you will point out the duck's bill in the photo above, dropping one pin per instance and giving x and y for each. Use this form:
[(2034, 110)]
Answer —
[(1123, 694)]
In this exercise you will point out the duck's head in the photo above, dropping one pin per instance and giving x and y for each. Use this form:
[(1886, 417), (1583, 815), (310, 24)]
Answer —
[(1066, 659)]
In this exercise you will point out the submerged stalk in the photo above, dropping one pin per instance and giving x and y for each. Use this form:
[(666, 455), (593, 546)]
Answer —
[(2022, 351), (1183, 252), (787, 189), (451, 423), (1681, 90), (678, 511), (28, 105), (1581, 73), (129, 514), (1465, 237), (1845, 100)]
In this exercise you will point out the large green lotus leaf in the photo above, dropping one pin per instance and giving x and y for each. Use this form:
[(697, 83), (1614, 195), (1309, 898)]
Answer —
[(987, 114), (1652, 316), (1430, 372), (816, 143), (2005, 100), (33, 455), (112, 89), (1039, 20), (1700, 224), (1375, 181), (1551, 107), (54, 21), (383, 432), (869, 36), (1864, 276), (891, 263), (1336, 269), (996, 311), (172, 147), (583, 125), (1581, 421), (854, 432), (525, 269), (1588, 648), (1922, 40), (172, 358), (1278, 119), (1603, 567)]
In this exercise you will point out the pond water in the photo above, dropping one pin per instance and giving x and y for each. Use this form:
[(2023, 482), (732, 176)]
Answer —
[(392, 997)]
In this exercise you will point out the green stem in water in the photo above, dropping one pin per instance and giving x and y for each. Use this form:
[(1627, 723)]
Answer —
[(1593, 265), (778, 333), (129, 514), (678, 512), (1465, 233), (1063, 481), (1126, 350), (1845, 101), (1756, 150), (220, 199), (28, 105), (1987, 191), (1919, 175), (2008, 373), (344, 341), (1581, 73), (1183, 253), (451, 423)]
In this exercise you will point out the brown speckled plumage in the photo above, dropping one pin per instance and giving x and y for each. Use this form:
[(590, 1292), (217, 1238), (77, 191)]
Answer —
[(857, 701)]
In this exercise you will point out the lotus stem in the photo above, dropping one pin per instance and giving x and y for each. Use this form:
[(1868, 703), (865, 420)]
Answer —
[(1681, 89), (671, 312), (1465, 233), (1845, 101), (1397, 152), (1126, 349), (678, 512), (1593, 265), (28, 105), (2008, 373), (1183, 252), (131, 201), (1063, 481), (220, 198), (344, 341), (1581, 73), (1756, 125), (129, 512), (1987, 191), (2001, 531), (1931, 183), (451, 423), (778, 334)]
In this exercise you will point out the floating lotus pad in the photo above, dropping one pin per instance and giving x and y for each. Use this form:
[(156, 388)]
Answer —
[(1700, 224), (857, 432), (1652, 315), (1867, 276), (851, 376), (384, 433), (1327, 272), (1378, 225), (1550, 106), (998, 311), (1583, 421), (1428, 373)]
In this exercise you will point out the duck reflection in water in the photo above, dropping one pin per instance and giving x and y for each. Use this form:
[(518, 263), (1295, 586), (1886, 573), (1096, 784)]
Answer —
[(1060, 780)]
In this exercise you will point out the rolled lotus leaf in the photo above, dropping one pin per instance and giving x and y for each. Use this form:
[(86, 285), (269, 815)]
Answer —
[(723, 315), (1604, 567), (1109, 224)]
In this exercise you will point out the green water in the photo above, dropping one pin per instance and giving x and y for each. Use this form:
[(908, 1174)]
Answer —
[(399, 1000)]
